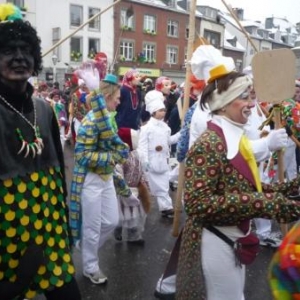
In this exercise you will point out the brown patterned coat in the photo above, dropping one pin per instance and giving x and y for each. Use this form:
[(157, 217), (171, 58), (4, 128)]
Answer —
[(222, 192)]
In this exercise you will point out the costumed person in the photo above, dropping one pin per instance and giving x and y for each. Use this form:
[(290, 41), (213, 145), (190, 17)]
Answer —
[(133, 212), (254, 130), (129, 110), (223, 192), (79, 106), (93, 202), (164, 84), (174, 122), (284, 275), (154, 142), (58, 105), (204, 59), (35, 254)]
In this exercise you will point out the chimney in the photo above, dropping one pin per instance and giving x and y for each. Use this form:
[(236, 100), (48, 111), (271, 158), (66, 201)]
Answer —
[(239, 12)]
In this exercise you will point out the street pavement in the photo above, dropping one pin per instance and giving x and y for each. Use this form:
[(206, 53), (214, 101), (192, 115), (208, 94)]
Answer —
[(133, 271)]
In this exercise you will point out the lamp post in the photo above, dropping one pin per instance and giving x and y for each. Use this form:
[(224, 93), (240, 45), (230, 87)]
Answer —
[(54, 61)]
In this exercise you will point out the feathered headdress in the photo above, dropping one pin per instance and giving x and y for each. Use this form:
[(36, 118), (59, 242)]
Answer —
[(9, 12)]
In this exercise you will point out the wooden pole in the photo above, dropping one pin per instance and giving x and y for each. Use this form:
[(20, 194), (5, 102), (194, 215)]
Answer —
[(80, 27), (187, 84), (240, 25)]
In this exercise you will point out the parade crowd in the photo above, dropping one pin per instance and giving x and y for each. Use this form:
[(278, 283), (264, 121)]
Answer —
[(125, 132)]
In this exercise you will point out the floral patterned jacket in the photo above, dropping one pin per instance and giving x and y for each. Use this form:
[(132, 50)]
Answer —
[(222, 192)]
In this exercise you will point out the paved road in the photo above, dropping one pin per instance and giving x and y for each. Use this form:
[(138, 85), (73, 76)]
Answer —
[(133, 271)]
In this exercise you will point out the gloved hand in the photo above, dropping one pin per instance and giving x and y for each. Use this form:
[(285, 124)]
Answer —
[(90, 76), (277, 139), (132, 200)]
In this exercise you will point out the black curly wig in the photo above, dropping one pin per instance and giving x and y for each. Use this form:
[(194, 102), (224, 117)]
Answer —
[(22, 30)]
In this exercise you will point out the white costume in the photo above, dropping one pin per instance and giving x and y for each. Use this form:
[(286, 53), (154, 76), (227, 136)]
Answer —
[(154, 142), (154, 149)]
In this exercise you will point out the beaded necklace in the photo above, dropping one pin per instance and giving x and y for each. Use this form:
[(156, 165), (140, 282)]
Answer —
[(37, 145)]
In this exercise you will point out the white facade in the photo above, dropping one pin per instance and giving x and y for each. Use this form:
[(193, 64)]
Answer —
[(52, 20)]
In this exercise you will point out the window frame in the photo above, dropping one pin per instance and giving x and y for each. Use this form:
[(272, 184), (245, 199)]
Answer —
[(150, 54), (169, 53), (172, 30), (131, 49), (96, 21), (80, 17), (150, 23)]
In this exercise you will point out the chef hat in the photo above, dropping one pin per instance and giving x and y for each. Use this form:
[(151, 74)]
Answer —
[(208, 63), (154, 101), (129, 136)]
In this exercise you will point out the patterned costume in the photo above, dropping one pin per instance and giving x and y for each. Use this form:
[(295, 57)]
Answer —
[(105, 147), (221, 192), (32, 196)]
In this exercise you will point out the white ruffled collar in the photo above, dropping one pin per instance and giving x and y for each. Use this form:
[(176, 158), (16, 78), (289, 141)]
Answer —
[(232, 133)]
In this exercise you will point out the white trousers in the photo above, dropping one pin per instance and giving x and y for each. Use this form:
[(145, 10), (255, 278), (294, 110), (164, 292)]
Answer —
[(223, 279), (100, 216), (263, 226), (166, 285)]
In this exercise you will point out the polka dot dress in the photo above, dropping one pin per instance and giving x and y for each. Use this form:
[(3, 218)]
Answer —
[(32, 210)]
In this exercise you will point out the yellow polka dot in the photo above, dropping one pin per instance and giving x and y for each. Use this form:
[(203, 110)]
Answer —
[(24, 220), (11, 248), (11, 232), (34, 176), (46, 212), (7, 183), (38, 224), (52, 185), (36, 208), (58, 229), (39, 239), (53, 256), (57, 271), (45, 196), (59, 283), (22, 187), (67, 258), (55, 215), (62, 244), (30, 294), (50, 242), (48, 227), (23, 204), (44, 284), (71, 269), (42, 270), (9, 198), (25, 236), (54, 200), (44, 180), (10, 215), (35, 192), (1, 275), (51, 171), (65, 219), (13, 263)]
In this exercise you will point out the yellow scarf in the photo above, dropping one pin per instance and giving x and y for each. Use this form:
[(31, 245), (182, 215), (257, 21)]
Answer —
[(247, 153)]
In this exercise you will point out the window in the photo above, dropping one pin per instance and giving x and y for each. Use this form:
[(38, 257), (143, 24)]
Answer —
[(149, 23), (126, 19), (94, 46), (187, 32), (172, 28), (76, 49), (214, 38), (56, 36), (172, 55), (76, 15), (126, 50), (150, 52), (19, 3), (95, 24)]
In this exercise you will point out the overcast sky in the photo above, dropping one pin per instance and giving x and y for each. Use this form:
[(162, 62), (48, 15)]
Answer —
[(261, 9)]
